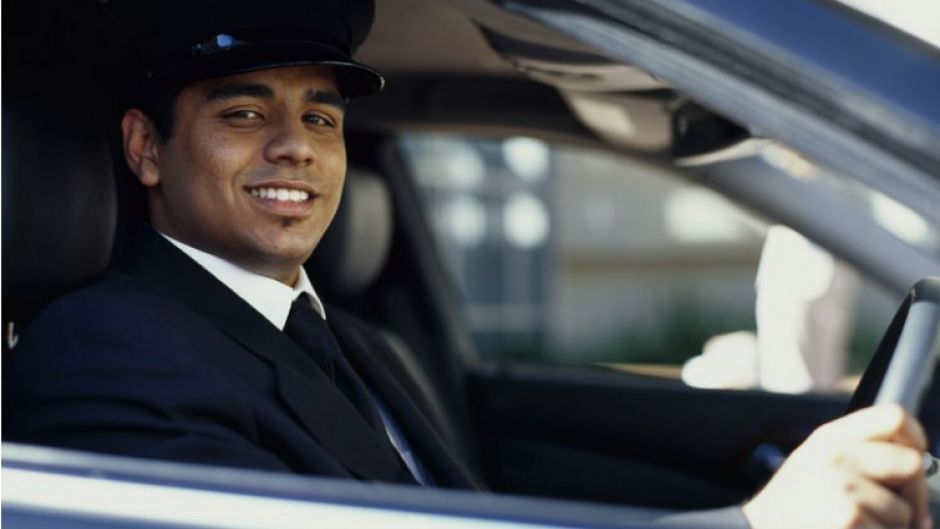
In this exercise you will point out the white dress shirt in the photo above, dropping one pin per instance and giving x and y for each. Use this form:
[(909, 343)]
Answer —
[(268, 296)]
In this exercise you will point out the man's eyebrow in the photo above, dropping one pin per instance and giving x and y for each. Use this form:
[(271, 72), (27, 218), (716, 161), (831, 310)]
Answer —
[(327, 97), (228, 91)]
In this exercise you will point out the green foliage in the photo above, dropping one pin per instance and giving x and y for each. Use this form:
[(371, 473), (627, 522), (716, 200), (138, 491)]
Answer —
[(677, 334), (862, 345)]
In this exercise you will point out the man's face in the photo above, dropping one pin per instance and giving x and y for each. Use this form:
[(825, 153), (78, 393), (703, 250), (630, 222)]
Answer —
[(254, 168)]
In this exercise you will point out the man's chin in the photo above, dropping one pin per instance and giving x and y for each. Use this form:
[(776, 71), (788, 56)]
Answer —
[(281, 262), (281, 270)]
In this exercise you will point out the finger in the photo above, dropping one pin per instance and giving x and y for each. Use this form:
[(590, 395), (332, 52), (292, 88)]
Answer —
[(915, 493), (867, 521), (887, 463), (878, 504), (887, 422)]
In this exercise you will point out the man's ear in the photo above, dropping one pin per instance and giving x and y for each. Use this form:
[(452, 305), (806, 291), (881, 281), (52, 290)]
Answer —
[(140, 147)]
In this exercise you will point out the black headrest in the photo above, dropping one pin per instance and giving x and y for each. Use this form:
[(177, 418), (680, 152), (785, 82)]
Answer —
[(58, 204)]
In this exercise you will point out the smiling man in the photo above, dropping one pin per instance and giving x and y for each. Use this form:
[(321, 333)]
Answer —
[(207, 342), (253, 170)]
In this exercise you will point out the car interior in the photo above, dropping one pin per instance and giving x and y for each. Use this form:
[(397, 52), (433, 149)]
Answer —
[(464, 66)]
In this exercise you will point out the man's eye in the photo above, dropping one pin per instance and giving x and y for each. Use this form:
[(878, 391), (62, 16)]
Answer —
[(318, 120), (242, 115)]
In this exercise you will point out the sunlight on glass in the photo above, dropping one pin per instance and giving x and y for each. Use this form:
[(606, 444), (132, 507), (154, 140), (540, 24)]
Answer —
[(449, 163), (788, 161), (728, 361), (920, 18), (464, 167), (465, 221), (805, 300), (525, 221), (697, 215), (527, 158), (802, 317), (607, 117), (900, 220)]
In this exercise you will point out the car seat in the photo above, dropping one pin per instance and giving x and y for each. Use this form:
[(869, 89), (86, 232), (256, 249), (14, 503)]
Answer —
[(59, 207)]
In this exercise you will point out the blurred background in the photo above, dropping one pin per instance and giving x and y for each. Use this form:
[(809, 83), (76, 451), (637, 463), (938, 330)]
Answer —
[(568, 256)]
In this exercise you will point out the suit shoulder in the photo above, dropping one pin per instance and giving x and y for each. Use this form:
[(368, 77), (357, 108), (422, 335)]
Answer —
[(105, 320), (95, 301)]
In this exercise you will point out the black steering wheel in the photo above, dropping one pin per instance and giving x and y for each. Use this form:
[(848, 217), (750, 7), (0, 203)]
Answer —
[(903, 367), (905, 364)]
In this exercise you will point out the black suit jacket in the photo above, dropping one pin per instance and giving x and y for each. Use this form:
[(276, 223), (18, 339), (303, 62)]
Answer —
[(156, 358)]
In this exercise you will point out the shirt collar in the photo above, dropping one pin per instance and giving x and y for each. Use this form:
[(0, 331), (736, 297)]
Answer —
[(268, 296)]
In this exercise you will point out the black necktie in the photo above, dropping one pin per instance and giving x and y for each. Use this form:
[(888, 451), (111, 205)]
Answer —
[(309, 330)]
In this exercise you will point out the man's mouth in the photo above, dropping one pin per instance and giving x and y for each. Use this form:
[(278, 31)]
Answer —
[(280, 194)]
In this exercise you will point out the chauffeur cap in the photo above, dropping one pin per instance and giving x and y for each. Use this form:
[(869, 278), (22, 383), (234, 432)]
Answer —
[(181, 41)]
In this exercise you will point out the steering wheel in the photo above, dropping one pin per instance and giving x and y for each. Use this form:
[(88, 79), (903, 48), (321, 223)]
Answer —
[(902, 369)]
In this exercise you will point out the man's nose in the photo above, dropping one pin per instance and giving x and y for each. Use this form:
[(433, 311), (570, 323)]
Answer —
[(289, 143)]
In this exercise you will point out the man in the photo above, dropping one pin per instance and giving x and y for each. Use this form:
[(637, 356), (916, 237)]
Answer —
[(207, 343), (184, 350)]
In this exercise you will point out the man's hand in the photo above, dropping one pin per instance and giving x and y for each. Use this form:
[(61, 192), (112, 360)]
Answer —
[(863, 470)]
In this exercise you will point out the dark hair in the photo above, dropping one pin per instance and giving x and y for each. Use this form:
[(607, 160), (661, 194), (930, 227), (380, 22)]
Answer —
[(160, 107)]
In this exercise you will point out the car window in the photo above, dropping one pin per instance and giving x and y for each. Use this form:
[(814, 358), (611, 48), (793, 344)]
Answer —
[(569, 256), (920, 18)]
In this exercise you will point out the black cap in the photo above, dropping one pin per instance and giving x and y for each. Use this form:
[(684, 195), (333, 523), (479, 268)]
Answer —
[(182, 41)]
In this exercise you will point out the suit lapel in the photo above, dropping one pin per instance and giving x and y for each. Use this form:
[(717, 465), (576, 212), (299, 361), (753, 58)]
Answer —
[(321, 408), (365, 348)]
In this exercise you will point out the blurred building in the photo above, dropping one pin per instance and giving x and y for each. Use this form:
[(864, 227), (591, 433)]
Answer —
[(570, 256)]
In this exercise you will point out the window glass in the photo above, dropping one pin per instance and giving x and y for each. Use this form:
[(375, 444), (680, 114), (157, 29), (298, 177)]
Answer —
[(920, 18), (573, 257)]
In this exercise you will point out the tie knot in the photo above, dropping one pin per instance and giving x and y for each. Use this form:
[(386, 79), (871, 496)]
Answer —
[(308, 329), (302, 304)]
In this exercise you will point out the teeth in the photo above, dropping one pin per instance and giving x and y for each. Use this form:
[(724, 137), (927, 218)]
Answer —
[(280, 194)]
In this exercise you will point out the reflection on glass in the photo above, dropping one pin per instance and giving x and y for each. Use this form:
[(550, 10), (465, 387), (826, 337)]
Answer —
[(697, 215), (465, 219), (788, 161), (447, 162), (525, 221), (528, 158), (900, 220), (920, 18)]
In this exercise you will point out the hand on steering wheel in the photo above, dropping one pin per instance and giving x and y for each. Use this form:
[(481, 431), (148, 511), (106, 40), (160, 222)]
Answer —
[(867, 469), (863, 470)]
